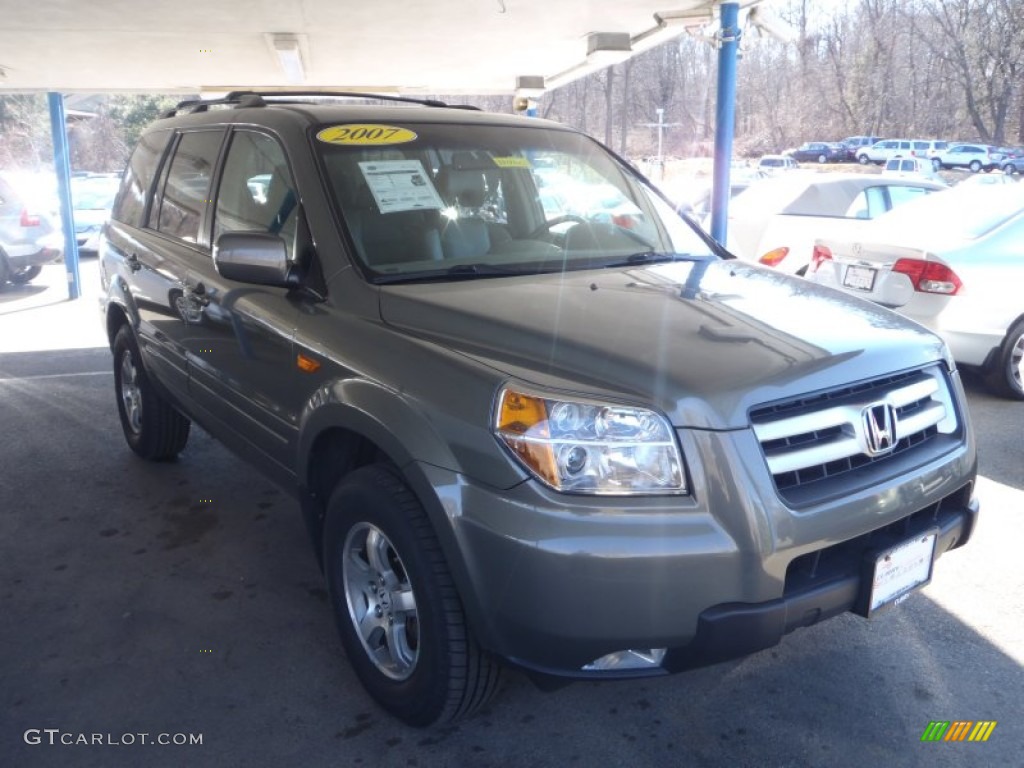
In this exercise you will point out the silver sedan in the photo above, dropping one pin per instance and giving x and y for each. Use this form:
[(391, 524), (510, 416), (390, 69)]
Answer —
[(954, 262)]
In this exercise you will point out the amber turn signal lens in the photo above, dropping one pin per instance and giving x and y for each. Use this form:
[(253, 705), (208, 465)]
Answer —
[(307, 364), (520, 418)]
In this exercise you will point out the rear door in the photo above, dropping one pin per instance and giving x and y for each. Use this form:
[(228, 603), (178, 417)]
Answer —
[(153, 229)]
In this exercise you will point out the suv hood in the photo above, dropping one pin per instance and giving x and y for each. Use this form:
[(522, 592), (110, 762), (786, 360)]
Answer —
[(702, 341)]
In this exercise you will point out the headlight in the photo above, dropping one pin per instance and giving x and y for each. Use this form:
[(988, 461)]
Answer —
[(590, 447)]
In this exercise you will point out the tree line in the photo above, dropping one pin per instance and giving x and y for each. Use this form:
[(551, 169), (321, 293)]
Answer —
[(951, 69)]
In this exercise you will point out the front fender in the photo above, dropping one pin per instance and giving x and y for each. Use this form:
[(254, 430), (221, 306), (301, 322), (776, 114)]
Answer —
[(376, 413)]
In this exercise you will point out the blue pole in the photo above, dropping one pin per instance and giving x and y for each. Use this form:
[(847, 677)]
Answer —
[(725, 119), (62, 168)]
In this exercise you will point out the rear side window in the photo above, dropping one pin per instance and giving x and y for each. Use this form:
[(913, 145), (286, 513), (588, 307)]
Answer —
[(130, 206), (187, 188)]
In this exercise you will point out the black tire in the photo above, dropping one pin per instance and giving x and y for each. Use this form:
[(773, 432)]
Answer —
[(1006, 376), (822, 159), (25, 275), (152, 427), (421, 664), (975, 166), (863, 159), (1009, 169)]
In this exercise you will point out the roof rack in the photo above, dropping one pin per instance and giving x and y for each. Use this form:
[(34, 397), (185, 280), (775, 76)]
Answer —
[(240, 99)]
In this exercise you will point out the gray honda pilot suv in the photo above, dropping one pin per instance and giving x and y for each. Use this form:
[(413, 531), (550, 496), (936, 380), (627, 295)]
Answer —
[(531, 415)]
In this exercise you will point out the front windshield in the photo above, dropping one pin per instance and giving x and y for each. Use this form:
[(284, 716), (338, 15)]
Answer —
[(441, 201)]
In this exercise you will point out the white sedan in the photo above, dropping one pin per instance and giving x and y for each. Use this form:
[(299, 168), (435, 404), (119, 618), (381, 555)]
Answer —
[(954, 262), (776, 221)]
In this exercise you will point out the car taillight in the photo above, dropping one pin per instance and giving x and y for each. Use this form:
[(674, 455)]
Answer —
[(28, 219), (774, 256), (819, 256), (929, 276)]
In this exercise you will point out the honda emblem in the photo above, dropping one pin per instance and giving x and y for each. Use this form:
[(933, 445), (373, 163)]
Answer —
[(879, 423)]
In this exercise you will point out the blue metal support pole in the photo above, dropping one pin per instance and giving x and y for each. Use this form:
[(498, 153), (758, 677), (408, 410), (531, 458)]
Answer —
[(62, 168), (725, 118)]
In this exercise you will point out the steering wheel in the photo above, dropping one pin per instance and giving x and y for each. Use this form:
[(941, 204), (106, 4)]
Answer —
[(547, 225)]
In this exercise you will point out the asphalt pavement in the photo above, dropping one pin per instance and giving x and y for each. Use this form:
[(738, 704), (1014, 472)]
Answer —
[(181, 600)]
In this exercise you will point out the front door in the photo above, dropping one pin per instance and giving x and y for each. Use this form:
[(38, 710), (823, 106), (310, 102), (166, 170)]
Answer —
[(242, 366)]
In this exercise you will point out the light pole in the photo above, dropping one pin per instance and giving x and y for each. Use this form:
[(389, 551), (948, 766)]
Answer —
[(661, 125)]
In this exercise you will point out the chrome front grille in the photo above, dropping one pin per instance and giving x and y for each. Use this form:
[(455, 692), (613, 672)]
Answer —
[(820, 437)]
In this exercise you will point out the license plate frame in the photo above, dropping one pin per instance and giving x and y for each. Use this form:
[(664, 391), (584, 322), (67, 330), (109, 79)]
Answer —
[(860, 278), (894, 573)]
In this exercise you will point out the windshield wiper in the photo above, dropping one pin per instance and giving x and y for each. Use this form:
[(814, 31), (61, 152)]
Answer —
[(650, 257), (457, 272)]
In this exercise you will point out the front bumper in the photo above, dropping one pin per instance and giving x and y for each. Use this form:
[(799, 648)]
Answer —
[(552, 582), (733, 630), (33, 258)]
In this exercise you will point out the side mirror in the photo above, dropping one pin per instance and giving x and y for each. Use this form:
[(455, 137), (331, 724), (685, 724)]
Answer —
[(255, 257)]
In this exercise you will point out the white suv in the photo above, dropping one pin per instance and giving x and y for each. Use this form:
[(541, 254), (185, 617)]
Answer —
[(883, 151), (975, 157)]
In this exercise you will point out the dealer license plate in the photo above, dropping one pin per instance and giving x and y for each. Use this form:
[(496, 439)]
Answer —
[(861, 278), (902, 569)]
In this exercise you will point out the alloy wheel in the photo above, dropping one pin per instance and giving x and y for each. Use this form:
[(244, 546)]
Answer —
[(131, 393), (380, 600)]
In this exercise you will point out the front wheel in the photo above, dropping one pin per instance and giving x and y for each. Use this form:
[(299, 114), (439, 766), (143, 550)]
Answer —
[(152, 427), (395, 604), (863, 159), (1009, 169), (1006, 377), (24, 275), (822, 159)]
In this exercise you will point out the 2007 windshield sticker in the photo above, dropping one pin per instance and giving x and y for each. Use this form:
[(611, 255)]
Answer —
[(364, 134)]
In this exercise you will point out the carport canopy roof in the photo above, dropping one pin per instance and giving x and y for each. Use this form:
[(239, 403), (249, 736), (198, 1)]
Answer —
[(400, 46)]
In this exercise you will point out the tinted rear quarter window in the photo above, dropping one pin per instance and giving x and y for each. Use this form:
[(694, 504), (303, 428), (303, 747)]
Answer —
[(130, 206)]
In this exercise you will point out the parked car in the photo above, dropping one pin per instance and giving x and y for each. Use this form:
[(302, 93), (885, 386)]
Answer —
[(28, 239), (92, 197), (974, 157), (881, 151), (987, 180), (912, 168), (818, 152), (772, 164), (591, 450), (853, 143), (954, 263), (1013, 164), (776, 221), (697, 204)]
